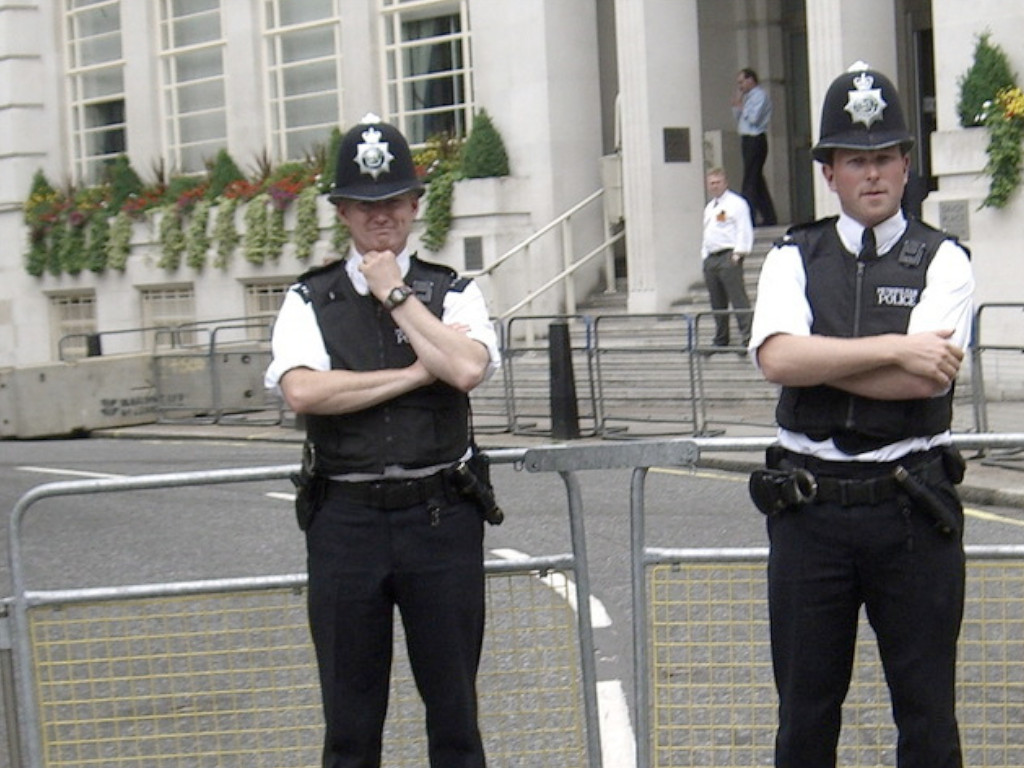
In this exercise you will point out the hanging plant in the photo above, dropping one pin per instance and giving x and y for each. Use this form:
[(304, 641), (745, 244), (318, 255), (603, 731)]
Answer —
[(197, 239), (119, 243), (172, 239), (307, 223), (97, 235), (255, 245), (225, 233), (341, 237), (439, 210), (37, 257), (1004, 118), (277, 235), (70, 255)]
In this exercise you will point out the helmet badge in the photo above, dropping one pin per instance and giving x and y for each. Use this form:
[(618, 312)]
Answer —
[(865, 103), (373, 156)]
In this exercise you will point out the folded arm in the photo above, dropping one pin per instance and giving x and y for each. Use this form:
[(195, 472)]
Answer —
[(886, 367)]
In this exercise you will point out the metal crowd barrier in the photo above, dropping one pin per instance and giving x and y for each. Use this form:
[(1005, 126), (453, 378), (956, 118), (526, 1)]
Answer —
[(222, 669), (221, 368), (704, 686), (978, 349)]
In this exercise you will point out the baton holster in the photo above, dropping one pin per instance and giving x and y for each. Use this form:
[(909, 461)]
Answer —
[(472, 481), (310, 488)]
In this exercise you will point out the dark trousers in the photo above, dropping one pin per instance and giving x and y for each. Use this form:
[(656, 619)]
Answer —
[(755, 188), (826, 561), (362, 563), (724, 278)]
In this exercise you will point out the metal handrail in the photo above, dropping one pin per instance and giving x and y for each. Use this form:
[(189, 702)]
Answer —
[(486, 271), (561, 276)]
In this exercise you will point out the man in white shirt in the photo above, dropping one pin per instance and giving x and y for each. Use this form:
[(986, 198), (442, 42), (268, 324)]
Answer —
[(727, 241)]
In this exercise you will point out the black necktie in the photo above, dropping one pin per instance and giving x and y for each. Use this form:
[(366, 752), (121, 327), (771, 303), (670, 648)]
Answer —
[(867, 245)]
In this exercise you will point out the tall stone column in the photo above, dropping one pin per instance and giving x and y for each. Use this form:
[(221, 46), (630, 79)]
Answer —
[(838, 34), (662, 148)]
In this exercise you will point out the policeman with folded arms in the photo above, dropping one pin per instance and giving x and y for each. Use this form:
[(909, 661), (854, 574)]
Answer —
[(863, 319), (379, 352)]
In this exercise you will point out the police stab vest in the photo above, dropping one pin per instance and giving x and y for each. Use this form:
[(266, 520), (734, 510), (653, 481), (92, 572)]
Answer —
[(851, 298), (427, 426)]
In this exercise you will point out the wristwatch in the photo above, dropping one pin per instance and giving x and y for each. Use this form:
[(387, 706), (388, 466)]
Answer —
[(397, 296)]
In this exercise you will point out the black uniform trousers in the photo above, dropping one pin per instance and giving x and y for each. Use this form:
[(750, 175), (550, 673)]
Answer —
[(724, 279), (825, 561), (427, 561), (755, 189)]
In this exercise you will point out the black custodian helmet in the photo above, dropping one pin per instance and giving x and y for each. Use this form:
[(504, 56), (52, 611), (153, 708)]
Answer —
[(374, 163), (862, 110)]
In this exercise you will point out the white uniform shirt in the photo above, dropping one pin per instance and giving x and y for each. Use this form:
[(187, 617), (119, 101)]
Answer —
[(727, 224), (782, 307), (298, 343)]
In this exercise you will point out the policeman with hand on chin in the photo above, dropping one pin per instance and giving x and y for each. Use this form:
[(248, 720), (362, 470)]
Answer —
[(379, 352), (863, 319)]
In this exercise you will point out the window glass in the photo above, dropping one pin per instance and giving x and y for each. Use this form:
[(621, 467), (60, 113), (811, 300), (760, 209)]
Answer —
[(303, 53), (194, 95), (429, 81), (95, 75)]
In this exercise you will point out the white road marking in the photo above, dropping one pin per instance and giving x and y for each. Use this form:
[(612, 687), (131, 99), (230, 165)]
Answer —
[(565, 589), (618, 743), (69, 472), (281, 496)]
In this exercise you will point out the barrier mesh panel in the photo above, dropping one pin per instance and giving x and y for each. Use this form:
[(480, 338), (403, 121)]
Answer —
[(713, 696), (229, 679)]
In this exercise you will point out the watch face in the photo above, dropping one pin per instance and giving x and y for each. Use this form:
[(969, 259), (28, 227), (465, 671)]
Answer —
[(398, 295)]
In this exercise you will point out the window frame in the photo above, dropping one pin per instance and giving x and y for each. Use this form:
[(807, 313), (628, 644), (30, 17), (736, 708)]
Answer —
[(277, 100), (86, 165), (394, 47), (170, 56)]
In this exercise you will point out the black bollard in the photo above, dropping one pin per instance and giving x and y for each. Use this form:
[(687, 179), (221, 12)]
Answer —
[(93, 346), (565, 419)]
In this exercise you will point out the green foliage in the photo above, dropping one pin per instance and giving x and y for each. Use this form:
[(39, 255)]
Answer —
[(119, 242), (307, 223), (1005, 121), (989, 74), (483, 155), (439, 210), (330, 161), (225, 233), (36, 258), (255, 245), (197, 241), (96, 237), (222, 172), (341, 237), (123, 181), (91, 228), (277, 236), (442, 153), (172, 239)]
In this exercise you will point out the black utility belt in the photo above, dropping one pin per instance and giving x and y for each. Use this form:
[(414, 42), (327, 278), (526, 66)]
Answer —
[(852, 483), (398, 493), (721, 252)]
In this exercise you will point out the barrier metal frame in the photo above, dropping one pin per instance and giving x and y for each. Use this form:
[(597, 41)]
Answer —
[(26, 733), (642, 556), (566, 460)]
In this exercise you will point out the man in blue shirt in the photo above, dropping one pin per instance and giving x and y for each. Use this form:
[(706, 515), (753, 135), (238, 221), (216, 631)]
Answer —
[(752, 108)]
